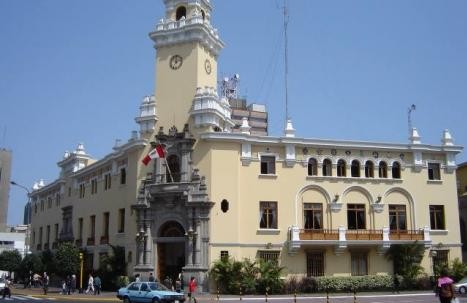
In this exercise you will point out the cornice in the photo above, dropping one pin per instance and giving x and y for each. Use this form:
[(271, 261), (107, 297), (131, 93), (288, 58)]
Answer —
[(326, 143)]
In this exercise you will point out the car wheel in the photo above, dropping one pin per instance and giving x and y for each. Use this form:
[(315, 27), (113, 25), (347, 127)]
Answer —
[(155, 300), (462, 290), (126, 300)]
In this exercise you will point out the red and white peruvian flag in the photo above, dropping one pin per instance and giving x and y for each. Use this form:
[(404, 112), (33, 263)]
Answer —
[(157, 152)]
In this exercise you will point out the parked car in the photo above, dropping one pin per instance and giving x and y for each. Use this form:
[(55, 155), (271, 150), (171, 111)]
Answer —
[(153, 292), (2, 285), (461, 286)]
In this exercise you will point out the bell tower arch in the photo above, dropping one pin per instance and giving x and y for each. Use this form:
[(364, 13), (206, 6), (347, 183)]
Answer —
[(187, 47)]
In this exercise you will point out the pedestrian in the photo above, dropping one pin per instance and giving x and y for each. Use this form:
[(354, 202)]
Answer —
[(151, 278), (396, 284), (192, 289), (178, 285), (73, 283), (45, 282), (90, 288), (6, 289), (68, 285), (168, 283), (137, 278), (445, 290), (64, 287), (97, 285)]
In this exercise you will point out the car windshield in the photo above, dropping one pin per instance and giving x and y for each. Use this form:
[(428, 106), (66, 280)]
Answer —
[(157, 286)]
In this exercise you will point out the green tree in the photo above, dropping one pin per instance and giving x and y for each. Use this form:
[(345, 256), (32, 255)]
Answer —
[(10, 260), (249, 275), (31, 262), (227, 273), (66, 259), (112, 267), (269, 277), (406, 260), (48, 261)]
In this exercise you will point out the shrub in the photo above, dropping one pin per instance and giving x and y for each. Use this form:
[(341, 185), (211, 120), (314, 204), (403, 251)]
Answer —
[(292, 285), (308, 285), (360, 283), (122, 281)]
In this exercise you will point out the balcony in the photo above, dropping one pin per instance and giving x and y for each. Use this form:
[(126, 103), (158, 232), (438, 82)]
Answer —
[(91, 241), (79, 242), (342, 238), (104, 240), (416, 235)]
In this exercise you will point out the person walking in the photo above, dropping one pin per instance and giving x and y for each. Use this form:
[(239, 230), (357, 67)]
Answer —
[(97, 285), (151, 277), (192, 289), (45, 282), (6, 289), (73, 283), (90, 288), (445, 290)]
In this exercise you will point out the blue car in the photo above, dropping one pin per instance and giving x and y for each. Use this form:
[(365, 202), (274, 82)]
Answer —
[(153, 292)]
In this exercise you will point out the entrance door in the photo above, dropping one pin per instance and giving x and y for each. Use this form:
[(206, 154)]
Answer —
[(170, 250)]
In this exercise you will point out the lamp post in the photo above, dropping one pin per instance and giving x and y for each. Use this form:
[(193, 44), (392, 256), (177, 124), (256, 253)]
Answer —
[(27, 217), (80, 272)]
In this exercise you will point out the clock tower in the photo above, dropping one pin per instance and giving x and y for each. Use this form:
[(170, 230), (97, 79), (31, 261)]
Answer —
[(187, 48)]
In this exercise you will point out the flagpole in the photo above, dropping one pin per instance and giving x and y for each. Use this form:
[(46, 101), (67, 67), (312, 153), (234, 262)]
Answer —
[(168, 169)]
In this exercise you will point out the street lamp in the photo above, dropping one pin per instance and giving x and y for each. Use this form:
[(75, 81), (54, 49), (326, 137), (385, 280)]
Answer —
[(27, 215), (80, 272), (27, 219)]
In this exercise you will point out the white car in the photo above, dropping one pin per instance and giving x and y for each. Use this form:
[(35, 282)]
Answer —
[(2, 285), (461, 286)]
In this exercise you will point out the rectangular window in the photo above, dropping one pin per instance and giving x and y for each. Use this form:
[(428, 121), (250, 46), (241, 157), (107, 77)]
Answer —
[(269, 255), (93, 186), (57, 200), (440, 258), (434, 171), (107, 181), (397, 218), (313, 215), (105, 224), (359, 263), (123, 175), (33, 237), (268, 215), (47, 237), (80, 229), (82, 190), (40, 235), (315, 264), (69, 191), (437, 217), (56, 232), (224, 254), (92, 230), (49, 202), (268, 165), (121, 220), (356, 216)]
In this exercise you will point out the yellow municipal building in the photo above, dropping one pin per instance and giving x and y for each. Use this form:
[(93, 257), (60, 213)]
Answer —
[(318, 206)]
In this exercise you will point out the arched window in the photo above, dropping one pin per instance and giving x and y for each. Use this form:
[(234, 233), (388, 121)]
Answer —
[(355, 169), (312, 167), (327, 167), (369, 169), (181, 12), (383, 169), (396, 170), (341, 168), (172, 174)]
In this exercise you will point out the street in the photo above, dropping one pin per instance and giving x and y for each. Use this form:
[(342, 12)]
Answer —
[(344, 298)]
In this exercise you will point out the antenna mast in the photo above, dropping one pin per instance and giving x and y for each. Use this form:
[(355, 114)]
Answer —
[(409, 117), (286, 59)]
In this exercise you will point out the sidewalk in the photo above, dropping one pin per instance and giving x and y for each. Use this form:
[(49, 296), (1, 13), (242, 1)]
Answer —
[(54, 292)]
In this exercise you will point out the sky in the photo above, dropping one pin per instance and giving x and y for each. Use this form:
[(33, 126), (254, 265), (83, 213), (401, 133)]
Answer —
[(76, 71)]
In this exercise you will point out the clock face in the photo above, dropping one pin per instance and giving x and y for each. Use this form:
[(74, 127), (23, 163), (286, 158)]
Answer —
[(207, 66), (176, 62)]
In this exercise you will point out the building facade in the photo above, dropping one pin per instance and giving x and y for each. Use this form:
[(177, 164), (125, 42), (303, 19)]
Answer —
[(461, 173), (5, 173), (318, 207)]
